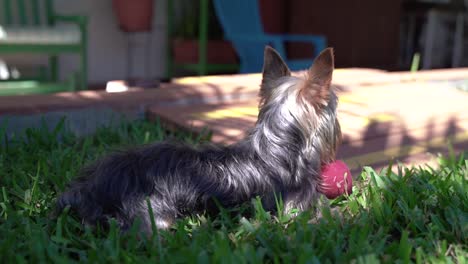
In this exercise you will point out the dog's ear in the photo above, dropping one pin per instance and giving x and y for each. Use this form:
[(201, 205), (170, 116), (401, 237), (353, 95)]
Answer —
[(273, 67), (319, 77)]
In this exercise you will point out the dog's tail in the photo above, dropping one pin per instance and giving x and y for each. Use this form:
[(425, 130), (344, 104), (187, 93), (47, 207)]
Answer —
[(79, 200), (71, 198)]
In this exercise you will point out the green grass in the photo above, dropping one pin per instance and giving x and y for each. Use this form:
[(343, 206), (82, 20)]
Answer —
[(416, 215)]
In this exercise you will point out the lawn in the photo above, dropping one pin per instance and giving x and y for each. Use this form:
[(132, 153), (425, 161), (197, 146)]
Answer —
[(416, 215)]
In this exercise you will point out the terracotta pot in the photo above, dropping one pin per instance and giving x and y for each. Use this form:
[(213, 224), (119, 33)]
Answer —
[(134, 15), (218, 51)]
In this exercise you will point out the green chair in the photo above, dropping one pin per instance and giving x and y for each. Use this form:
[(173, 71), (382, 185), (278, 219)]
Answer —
[(33, 27)]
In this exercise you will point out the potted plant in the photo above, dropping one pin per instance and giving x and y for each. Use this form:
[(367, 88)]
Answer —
[(134, 15), (186, 33)]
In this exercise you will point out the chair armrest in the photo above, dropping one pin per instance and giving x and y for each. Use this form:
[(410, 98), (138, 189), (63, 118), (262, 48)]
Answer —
[(302, 38), (277, 41), (281, 37), (266, 39), (319, 42)]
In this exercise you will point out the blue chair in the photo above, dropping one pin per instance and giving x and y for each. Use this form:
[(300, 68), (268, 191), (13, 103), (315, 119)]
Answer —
[(242, 26)]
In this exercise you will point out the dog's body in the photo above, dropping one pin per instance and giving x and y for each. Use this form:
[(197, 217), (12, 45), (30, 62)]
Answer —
[(296, 133)]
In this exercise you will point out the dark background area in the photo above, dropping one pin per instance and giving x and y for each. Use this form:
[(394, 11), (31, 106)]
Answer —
[(364, 33)]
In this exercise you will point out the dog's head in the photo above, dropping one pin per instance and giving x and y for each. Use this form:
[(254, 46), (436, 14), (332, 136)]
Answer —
[(300, 110)]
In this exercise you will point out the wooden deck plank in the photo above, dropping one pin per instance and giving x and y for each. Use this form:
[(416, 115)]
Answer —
[(383, 115), (402, 121)]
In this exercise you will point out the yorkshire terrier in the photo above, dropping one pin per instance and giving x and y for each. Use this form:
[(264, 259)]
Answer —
[(297, 132)]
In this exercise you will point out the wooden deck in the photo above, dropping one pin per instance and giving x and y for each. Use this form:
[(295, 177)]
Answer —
[(402, 116)]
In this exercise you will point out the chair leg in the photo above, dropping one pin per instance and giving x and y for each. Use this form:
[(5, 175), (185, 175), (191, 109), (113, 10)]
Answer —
[(429, 40), (169, 67), (203, 38), (53, 64), (83, 83), (169, 58), (458, 42), (409, 45)]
